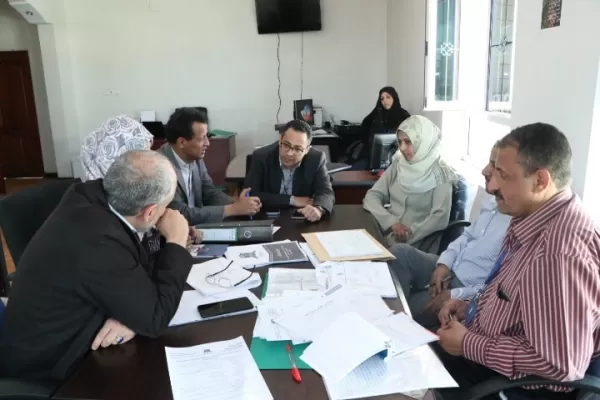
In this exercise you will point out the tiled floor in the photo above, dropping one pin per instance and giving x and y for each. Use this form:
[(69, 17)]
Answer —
[(12, 186)]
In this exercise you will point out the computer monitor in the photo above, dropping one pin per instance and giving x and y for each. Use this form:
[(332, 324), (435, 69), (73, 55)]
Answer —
[(383, 148)]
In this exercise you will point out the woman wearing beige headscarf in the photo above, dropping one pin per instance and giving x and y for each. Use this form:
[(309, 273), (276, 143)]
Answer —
[(417, 186)]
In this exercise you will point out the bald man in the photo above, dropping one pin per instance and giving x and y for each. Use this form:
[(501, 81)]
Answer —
[(85, 281)]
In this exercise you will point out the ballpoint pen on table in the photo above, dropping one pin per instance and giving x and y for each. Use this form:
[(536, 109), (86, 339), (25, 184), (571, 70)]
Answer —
[(295, 371), (446, 279)]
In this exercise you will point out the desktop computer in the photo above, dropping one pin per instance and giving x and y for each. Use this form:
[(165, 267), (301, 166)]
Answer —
[(383, 148)]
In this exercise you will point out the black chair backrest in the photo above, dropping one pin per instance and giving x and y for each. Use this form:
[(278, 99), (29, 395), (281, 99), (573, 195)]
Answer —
[(24, 212), (457, 213), (248, 163)]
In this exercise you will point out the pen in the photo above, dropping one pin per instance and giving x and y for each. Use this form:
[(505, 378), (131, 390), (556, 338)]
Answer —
[(248, 195), (446, 279), (295, 371)]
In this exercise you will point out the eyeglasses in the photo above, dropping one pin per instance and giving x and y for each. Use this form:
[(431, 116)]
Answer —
[(225, 282), (295, 150)]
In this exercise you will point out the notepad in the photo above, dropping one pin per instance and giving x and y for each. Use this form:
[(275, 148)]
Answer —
[(218, 276)]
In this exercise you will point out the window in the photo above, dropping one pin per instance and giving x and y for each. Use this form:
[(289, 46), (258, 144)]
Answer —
[(442, 53), (500, 55)]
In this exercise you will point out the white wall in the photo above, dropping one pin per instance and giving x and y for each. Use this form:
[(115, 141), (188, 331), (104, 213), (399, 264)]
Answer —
[(556, 73), (161, 55), (17, 34), (406, 51)]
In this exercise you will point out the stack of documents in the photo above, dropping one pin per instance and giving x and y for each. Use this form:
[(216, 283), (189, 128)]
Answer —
[(350, 245), (187, 312), (289, 281), (307, 321), (364, 276), (219, 371), (413, 370), (258, 255), (220, 275)]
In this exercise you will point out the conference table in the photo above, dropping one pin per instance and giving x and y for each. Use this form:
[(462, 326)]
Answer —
[(138, 369)]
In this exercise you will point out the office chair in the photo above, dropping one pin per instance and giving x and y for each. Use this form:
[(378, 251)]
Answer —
[(587, 388), (456, 223), (23, 213)]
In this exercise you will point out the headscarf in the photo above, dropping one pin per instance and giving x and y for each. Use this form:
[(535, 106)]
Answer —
[(116, 136), (381, 120), (426, 170)]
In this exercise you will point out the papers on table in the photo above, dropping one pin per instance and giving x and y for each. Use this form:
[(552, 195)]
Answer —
[(312, 256), (217, 371), (187, 312), (345, 344), (363, 276), (346, 244), (218, 276), (265, 254), (410, 371), (307, 321), (272, 308), (404, 333), (286, 279)]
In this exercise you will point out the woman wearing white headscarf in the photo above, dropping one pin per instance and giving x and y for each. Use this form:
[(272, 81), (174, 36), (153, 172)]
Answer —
[(417, 186), (116, 136)]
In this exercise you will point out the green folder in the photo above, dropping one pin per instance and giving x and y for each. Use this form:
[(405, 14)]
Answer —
[(274, 355)]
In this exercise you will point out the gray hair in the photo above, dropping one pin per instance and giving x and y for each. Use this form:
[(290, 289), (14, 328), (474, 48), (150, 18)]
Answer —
[(137, 179)]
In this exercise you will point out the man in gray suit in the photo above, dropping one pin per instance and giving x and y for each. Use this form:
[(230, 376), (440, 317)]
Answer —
[(196, 197)]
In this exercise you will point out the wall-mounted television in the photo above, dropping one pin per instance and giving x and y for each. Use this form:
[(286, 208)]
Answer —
[(278, 16)]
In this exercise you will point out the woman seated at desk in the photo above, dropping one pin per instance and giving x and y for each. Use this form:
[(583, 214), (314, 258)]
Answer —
[(418, 186), (387, 115)]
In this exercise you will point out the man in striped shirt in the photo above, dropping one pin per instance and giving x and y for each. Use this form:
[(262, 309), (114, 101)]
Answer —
[(539, 313)]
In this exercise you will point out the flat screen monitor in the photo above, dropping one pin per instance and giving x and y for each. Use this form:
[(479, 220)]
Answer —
[(279, 16), (383, 149)]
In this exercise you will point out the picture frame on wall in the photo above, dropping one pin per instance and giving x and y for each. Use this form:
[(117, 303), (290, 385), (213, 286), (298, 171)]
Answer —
[(551, 13)]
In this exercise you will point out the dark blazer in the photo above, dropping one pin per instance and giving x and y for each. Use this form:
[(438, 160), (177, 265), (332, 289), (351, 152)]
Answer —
[(210, 201), (310, 178), (84, 265)]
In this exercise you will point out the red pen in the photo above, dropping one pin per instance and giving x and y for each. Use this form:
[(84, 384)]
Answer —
[(295, 371)]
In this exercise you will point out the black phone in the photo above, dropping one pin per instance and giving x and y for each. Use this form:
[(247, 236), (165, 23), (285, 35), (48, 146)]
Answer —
[(297, 215), (212, 310)]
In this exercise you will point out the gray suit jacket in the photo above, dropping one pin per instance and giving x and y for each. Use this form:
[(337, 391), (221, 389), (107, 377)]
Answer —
[(210, 202)]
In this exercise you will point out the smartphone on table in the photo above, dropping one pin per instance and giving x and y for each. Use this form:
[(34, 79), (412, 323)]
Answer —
[(225, 307), (297, 215)]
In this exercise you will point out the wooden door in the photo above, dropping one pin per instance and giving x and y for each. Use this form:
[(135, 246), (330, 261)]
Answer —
[(20, 149)]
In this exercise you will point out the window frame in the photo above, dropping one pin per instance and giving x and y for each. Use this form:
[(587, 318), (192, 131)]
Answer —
[(500, 107), (429, 100)]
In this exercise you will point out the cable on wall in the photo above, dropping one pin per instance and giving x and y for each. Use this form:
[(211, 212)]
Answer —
[(278, 77), (301, 65)]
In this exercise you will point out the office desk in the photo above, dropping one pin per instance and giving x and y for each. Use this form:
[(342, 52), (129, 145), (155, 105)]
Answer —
[(350, 187), (138, 369)]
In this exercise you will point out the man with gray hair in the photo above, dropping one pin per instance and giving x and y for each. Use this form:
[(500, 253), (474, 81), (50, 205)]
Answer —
[(85, 281)]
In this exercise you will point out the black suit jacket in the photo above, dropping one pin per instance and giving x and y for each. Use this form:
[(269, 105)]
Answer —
[(84, 265), (310, 178)]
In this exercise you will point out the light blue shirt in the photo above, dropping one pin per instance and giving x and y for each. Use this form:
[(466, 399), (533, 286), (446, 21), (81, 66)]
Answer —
[(287, 183), (186, 173), (472, 256)]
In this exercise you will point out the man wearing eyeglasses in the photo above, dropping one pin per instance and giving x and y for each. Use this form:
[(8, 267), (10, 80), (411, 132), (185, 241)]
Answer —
[(289, 173), (197, 198)]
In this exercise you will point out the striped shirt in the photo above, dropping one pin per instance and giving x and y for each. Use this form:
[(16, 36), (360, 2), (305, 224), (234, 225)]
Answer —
[(547, 320), (472, 256)]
